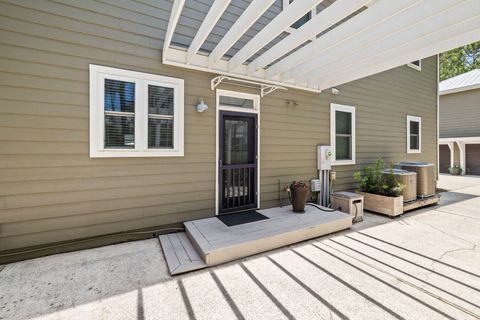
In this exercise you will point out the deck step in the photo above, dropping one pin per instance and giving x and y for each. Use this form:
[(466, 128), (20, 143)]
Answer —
[(217, 243), (180, 254)]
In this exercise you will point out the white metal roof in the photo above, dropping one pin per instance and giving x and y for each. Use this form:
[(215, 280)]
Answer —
[(463, 82), (344, 41)]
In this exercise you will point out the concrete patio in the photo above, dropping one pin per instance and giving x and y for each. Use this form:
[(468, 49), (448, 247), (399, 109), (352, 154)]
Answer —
[(422, 265)]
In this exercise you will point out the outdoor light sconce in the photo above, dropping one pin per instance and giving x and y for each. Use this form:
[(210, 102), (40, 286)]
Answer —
[(201, 106)]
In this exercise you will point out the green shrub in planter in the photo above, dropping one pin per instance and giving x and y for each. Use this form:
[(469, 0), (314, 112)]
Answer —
[(373, 181), (455, 170)]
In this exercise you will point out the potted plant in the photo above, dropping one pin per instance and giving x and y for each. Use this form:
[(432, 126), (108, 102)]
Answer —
[(455, 170), (298, 192), (382, 192)]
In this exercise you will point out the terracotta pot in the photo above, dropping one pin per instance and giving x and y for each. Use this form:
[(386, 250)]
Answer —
[(299, 198)]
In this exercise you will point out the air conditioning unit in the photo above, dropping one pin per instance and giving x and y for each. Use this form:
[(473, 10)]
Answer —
[(408, 179), (426, 185), (348, 202)]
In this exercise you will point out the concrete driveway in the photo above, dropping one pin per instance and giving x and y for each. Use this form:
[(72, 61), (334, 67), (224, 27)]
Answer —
[(423, 265)]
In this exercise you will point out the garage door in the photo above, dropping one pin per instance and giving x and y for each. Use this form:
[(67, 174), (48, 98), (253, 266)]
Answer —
[(472, 158), (444, 158)]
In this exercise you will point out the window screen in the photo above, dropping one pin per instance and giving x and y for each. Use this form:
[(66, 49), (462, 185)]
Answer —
[(343, 135), (119, 108), (414, 135), (160, 117)]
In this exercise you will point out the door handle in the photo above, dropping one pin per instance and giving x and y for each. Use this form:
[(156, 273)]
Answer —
[(220, 162)]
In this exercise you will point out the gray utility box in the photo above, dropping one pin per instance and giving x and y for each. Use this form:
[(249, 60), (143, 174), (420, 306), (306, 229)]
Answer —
[(348, 202)]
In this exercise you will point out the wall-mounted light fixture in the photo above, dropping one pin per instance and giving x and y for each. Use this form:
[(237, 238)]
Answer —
[(201, 106)]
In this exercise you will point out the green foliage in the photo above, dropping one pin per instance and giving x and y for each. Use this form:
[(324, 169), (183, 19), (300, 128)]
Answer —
[(459, 60), (374, 181)]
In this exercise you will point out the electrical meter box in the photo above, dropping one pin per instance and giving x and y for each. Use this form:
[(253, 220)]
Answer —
[(324, 158)]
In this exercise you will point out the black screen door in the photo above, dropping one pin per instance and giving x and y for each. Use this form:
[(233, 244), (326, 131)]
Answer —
[(237, 161)]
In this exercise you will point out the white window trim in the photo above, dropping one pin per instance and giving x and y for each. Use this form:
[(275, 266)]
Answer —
[(344, 108), (419, 120), (414, 66), (219, 107), (141, 80)]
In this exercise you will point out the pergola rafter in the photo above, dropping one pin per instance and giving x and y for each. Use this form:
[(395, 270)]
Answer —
[(358, 38)]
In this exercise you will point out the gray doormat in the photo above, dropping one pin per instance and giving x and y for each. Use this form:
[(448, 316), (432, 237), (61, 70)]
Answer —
[(235, 219)]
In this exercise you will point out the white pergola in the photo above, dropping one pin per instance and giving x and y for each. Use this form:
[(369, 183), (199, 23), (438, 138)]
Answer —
[(382, 36)]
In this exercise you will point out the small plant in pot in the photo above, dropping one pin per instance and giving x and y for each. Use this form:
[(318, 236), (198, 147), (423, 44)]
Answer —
[(455, 170), (298, 192), (374, 181)]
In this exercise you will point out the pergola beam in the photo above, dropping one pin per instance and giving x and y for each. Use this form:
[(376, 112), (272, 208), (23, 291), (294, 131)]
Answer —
[(366, 20), (320, 22), (254, 11), (443, 40), (208, 23), (282, 21), (172, 24), (370, 40)]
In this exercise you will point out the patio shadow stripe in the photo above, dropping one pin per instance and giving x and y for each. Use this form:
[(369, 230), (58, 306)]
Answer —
[(227, 296), (140, 310), (186, 301), (268, 293), (367, 297), (387, 284), (309, 290), (415, 264), (419, 254), (407, 274)]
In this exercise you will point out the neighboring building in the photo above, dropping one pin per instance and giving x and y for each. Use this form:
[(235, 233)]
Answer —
[(459, 142), (79, 158)]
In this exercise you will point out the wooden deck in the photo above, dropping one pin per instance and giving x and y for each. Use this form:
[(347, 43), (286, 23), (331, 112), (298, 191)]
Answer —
[(218, 243)]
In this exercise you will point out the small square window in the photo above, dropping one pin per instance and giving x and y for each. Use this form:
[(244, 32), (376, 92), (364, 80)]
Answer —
[(414, 134), (134, 114), (342, 133)]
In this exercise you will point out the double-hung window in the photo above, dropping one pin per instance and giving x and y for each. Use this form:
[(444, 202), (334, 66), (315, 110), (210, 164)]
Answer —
[(135, 114), (342, 134), (414, 134)]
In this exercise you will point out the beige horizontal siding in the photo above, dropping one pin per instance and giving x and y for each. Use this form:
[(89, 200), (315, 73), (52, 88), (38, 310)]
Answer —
[(50, 190), (460, 114)]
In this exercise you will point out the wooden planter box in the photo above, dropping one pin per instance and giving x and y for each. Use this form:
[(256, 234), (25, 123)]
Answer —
[(391, 206)]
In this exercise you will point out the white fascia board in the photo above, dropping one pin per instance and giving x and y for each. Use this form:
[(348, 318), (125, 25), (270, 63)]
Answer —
[(443, 40), (320, 22), (461, 89), (367, 19), (254, 11), (208, 23), (419, 34), (177, 57), (172, 24), (459, 139), (372, 40), (282, 21)]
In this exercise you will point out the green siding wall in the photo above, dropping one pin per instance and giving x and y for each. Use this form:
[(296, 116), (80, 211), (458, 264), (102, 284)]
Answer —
[(50, 190)]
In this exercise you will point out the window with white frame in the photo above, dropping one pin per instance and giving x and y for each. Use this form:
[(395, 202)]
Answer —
[(135, 114), (342, 134), (414, 134), (417, 65), (300, 22)]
